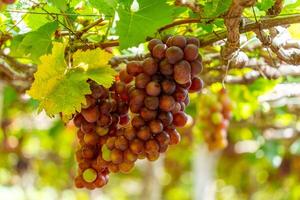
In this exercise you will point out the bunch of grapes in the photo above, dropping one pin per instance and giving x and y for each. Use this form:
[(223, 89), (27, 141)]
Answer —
[(156, 92), (99, 120), (215, 116), (159, 95)]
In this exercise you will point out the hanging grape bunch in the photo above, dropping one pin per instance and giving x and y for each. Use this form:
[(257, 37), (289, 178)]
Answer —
[(160, 94), (97, 122), (7, 1), (215, 116)]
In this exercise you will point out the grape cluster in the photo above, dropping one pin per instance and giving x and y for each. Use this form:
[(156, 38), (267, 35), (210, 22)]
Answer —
[(98, 121), (155, 90), (160, 93), (215, 116)]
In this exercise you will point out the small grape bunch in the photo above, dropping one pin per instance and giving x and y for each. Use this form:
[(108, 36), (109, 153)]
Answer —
[(159, 94), (215, 116)]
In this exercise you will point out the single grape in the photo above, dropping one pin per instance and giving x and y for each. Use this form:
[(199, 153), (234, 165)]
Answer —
[(196, 67), (174, 136), (163, 138), (179, 119), (78, 119), (179, 41), (130, 156), (90, 101), (180, 94), (142, 80), (191, 52), (150, 66), (166, 103), (168, 86), (153, 88), (89, 175), (144, 133), (121, 143), (87, 127), (152, 43), (193, 40), (197, 85), (137, 146), (125, 77), (116, 156), (182, 72), (165, 67), (134, 68), (91, 138), (147, 114), (156, 126), (174, 54), (151, 146), (151, 103), (90, 114), (126, 167), (159, 51), (152, 156), (137, 121), (166, 118)]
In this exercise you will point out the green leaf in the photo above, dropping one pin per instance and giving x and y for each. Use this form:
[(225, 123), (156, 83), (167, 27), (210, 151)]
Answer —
[(60, 4), (106, 7), (216, 7), (134, 27), (36, 21), (60, 89), (39, 42), (15, 49), (265, 4)]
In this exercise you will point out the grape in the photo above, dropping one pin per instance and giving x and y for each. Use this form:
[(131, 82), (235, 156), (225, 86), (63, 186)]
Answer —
[(192, 40), (163, 138), (130, 133), (168, 86), (197, 85), (165, 68), (151, 146), (90, 101), (152, 156), (136, 146), (179, 41), (126, 167), (196, 67), (156, 126), (91, 139), (180, 94), (137, 122), (78, 119), (87, 127), (169, 41), (89, 175), (120, 87), (122, 108), (116, 156), (153, 88), (124, 119), (147, 114), (104, 120), (166, 118), (110, 143), (174, 54), (187, 85), (182, 72), (137, 96), (152, 43), (134, 68), (130, 156), (142, 80), (166, 103), (174, 136), (191, 52), (90, 114), (87, 152), (113, 167), (179, 119), (125, 77), (150, 66), (98, 91), (135, 108), (177, 108), (159, 51), (144, 133), (151, 103), (121, 143), (106, 106)]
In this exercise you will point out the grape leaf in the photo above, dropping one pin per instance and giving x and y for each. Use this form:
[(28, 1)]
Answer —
[(106, 7), (134, 27), (39, 42), (216, 7), (60, 4), (62, 89), (265, 4)]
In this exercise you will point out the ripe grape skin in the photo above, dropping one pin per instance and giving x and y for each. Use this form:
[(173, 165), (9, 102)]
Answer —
[(163, 138), (150, 66), (166, 118), (138, 121), (193, 40), (144, 133), (121, 143), (153, 88), (174, 54), (191, 52), (159, 51), (152, 43), (134, 68), (142, 80), (168, 86), (147, 114), (179, 119), (166, 103), (180, 94), (182, 72), (130, 133), (179, 41), (125, 77), (151, 145), (151, 103), (137, 146), (165, 67), (116, 156), (196, 67), (90, 114), (197, 85), (78, 120), (156, 126)]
